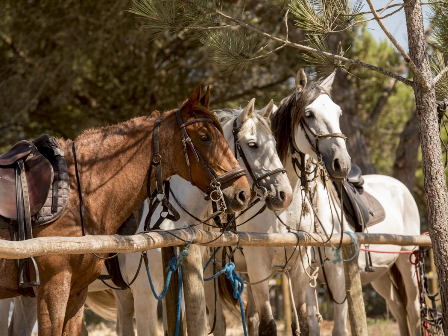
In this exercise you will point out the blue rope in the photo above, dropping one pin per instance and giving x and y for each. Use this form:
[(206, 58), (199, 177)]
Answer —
[(179, 302), (237, 284), (175, 263), (337, 251)]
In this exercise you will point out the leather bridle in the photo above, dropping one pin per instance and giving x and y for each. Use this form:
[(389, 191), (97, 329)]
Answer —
[(256, 179), (318, 136), (161, 194)]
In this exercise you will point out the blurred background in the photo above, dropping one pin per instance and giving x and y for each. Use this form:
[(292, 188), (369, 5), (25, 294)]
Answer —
[(66, 66)]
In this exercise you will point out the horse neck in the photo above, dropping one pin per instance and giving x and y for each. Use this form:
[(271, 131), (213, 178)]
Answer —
[(114, 164), (328, 210), (191, 198)]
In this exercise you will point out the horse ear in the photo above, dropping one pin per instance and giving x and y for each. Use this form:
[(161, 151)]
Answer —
[(205, 99), (327, 83), (267, 111), (193, 100), (301, 80), (249, 110)]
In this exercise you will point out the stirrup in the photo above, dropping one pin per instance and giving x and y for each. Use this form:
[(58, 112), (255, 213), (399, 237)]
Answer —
[(369, 268), (23, 277)]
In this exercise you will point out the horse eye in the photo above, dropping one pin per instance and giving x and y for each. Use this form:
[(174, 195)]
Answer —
[(205, 137), (252, 144), (309, 114)]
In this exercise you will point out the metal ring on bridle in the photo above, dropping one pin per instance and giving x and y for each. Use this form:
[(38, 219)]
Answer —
[(264, 192), (156, 159), (216, 195)]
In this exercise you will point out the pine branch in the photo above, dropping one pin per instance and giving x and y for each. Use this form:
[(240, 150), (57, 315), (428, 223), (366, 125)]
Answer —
[(440, 75), (403, 53), (306, 48)]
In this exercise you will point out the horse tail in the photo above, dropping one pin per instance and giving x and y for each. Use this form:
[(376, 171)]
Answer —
[(398, 283), (103, 304), (228, 302)]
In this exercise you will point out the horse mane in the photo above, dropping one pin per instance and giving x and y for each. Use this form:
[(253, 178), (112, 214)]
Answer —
[(287, 118)]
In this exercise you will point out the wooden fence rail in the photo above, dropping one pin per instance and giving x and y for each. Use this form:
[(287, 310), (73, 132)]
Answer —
[(151, 240)]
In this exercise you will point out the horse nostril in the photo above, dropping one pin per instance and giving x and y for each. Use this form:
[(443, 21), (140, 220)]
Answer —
[(337, 165), (282, 195), (241, 197)]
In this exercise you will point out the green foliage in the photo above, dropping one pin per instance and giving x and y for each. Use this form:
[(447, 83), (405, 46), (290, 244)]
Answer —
[(369, 86), (322, 17), (232, 49)]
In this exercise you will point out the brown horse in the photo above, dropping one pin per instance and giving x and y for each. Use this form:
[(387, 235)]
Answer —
[(114, 168)]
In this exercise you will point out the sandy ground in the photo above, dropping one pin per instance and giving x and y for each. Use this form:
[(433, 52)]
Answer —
[(375, 328)]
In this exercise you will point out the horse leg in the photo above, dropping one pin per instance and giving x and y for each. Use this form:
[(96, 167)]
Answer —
[(253, 321), (407, 272), (125, 312), (52, 298), (218, 319), (24, 316), (336, 278), (75, 309), (258, 270), (300, 282), (311, 308), (384, 286), (5, 305)]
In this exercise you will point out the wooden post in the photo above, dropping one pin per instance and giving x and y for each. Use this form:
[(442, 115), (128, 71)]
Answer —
[(353, 290), (193, 281), (172, 294), (286, 305)]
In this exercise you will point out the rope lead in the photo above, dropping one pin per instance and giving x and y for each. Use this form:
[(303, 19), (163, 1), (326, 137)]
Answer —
[(337, 251), (175, 264)]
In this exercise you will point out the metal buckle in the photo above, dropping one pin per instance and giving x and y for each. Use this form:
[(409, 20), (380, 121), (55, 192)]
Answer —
[(156, 159), (264, 193)]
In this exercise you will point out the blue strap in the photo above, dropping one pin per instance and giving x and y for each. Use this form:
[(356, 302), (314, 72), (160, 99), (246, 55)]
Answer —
[(337, 251)]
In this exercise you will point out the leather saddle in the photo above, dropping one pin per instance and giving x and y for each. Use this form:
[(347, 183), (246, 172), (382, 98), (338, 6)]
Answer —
[(26, 179), (361, 209), (26, 174)]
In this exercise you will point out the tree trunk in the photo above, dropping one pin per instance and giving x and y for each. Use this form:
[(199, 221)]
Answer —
[(435, 181), (405, 163)]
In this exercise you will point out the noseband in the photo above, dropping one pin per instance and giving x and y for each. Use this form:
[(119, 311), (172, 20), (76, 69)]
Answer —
[(161, 194), (318, 136), (239, 150)]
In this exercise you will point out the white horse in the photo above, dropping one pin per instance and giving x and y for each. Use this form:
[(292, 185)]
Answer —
[(394, 276), (288, 127)]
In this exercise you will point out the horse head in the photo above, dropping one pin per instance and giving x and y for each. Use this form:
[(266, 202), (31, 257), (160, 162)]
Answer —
[(211, 164), (310, 119), (249, 134)]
